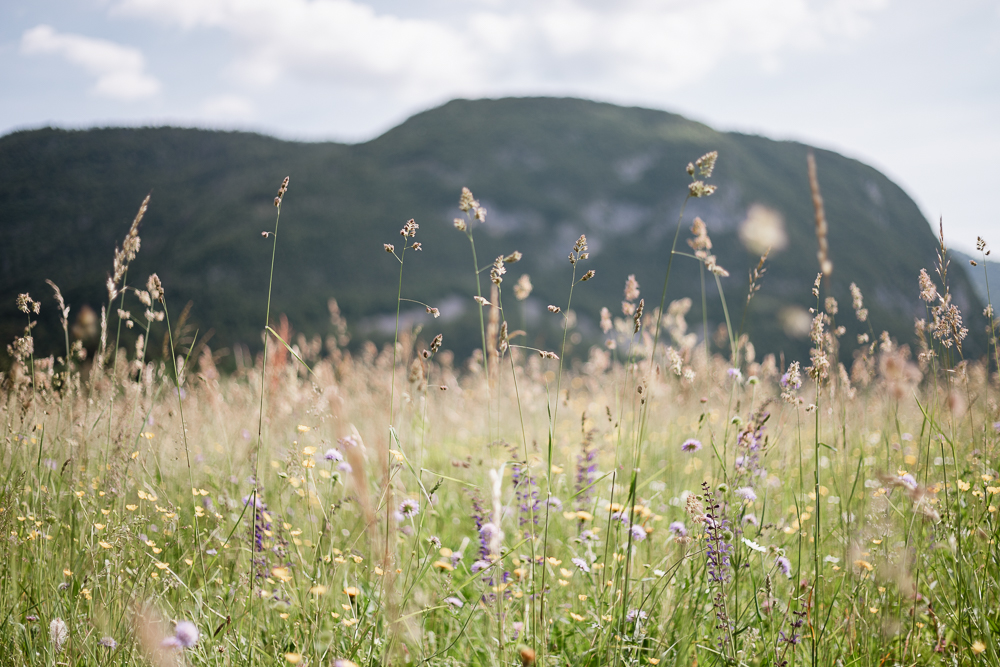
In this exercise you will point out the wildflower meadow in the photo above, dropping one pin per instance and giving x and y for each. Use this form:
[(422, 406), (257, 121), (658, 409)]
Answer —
[(667, 498)]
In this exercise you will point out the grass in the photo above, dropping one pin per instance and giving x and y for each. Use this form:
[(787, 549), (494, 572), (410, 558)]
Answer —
[(662, 502)]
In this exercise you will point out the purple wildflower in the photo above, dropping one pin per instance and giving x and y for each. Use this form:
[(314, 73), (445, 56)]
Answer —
[(345, 467), (718, 547), (586, 471), (678, 528), (691, 445), (638, 532), (788, 382), (333, 455), (107, 642), (454, 602), (784, 565), (481, 516), (409, 508), (582, 564), (735, 374), (746, 493), (526, 497), (185, 636), (634, 615)]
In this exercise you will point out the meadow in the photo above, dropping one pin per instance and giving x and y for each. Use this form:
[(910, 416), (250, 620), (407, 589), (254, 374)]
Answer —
[(668, 499)]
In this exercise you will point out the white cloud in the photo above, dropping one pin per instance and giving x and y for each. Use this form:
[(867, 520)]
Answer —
[(119, 70), (227, 107), (638, 48)]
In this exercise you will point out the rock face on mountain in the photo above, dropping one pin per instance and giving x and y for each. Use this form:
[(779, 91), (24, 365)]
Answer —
[(547, 170)]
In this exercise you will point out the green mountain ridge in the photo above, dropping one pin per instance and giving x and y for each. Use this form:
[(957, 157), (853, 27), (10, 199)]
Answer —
[(546, 169)]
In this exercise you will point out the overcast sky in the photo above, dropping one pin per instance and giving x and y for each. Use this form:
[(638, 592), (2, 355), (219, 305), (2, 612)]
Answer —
[(910, 86)]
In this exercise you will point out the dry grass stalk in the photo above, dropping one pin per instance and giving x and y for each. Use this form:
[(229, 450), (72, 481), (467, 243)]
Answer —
[(823, 252)]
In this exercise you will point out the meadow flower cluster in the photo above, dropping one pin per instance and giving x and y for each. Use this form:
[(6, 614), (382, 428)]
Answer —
[(669, 501)]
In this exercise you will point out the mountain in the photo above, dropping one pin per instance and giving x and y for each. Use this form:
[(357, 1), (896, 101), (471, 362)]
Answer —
[(547, 170), (985, 276)]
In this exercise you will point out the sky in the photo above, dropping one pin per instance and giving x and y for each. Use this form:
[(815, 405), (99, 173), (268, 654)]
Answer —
[(911, 87)]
